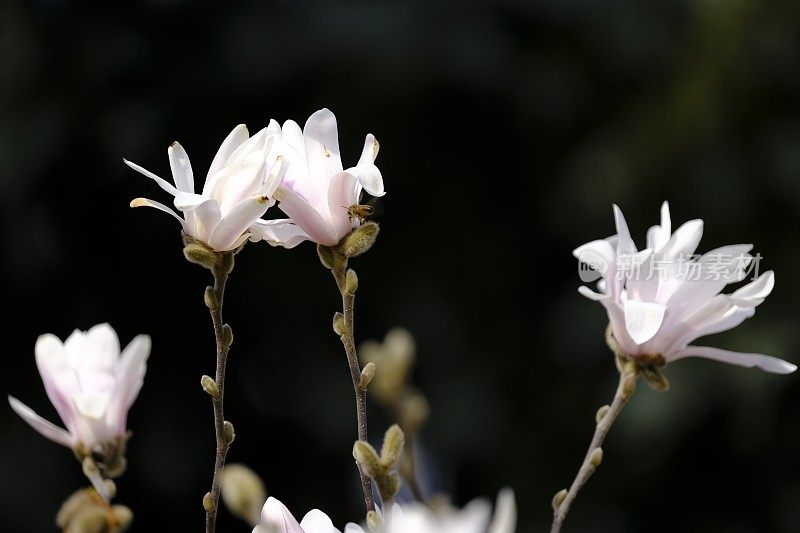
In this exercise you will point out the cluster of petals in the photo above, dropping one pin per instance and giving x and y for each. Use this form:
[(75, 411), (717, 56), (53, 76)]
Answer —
[(662, 298), (90, 383), (415, 517), (301, 168)]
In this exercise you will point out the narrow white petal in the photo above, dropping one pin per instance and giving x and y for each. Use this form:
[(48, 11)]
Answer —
[(206, 219), (187, 201), (309, 219), (505, 513), (353, 528), (181, 167), (589, 293), (764, 362), (130, 376), (237, 136), (365, 171), (643, 320), (235, 223), (755, 292), (164, 184), (315, 521), (684, 241), (321, 141), (280, 232), (625, 244), (47, 429), (144, 202), (275, 515)]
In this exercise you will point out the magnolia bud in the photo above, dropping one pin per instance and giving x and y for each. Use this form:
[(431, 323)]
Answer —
[(558, 499), (210, 297), (367, 373), (367, 458), (655, 378), (226, 264), (200, 255), (122, 515), (351, 282), (601, 414), (208, 503), (597, 457), (359, 240), (393, 442), (230, 434), (374, 521), (388, 486), (325, 256), (210, 386), (227, 334), (243, 492), (338, 324)]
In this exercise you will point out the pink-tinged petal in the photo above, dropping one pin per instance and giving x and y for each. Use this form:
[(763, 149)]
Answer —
[(315, 521), (236, 222), (365, 172), (601, 256), (164, 184), (321, 141), (643, 320), (280, 232), (130, 377), (684, 241), (583, 290), (755, 292), (275, 515), (181, 168), (60, 381), (144, 202), (293, 136), (305, 216), (658, 236), (236, 137), (505, 513), (749, 360), (341, 195), (625, 245), (715, 316), (257, 143), (616, 317), (47, 429)]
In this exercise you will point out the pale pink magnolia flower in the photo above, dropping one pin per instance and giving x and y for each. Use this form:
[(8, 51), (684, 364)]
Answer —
[(662, 298), (90, 384), (316, 191), (475, 517), (238, 189)]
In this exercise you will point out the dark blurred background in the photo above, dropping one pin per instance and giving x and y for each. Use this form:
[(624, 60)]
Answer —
[(507, 130)]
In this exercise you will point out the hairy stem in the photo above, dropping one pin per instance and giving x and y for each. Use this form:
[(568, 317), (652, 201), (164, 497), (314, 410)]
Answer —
[(625, 389), (220, 272), (348, 301)]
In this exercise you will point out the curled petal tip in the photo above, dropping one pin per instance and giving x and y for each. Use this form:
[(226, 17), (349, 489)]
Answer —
[(138, 202)]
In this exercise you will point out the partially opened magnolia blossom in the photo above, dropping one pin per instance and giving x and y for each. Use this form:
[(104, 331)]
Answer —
[(415, 517), (662, 298), (316, 191), (90, 383), (238, 189)]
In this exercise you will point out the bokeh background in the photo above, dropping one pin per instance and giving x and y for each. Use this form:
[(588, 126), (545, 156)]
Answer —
[(507, 130)]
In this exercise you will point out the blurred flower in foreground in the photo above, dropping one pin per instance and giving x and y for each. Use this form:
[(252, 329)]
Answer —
[(662, 298), (91, 386), (475, 517), (238, 189), (316, 192), (243, 492), (276, 518)]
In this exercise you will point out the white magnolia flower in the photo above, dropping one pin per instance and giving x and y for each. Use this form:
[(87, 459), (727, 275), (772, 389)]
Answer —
[(662, 298), (475, 517), (276, 518), (90, 384), (238, 189), (316, 192)]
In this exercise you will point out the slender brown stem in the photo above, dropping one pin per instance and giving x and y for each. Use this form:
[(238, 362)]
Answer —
[(220, 272), (348, 301), (626, 387)]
